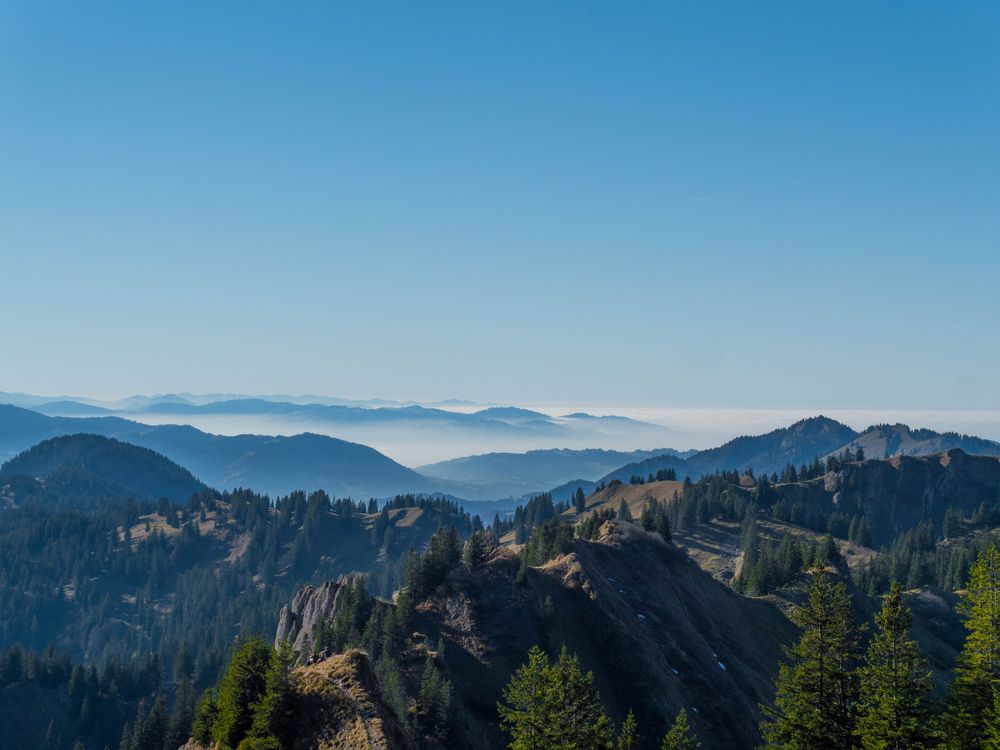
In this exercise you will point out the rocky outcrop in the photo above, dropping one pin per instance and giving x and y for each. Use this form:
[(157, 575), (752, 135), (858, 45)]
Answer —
[(298, 621), (897, 494), (339, 707)]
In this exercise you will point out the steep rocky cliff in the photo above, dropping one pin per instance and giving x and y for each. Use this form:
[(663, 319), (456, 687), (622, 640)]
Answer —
[(897, 494), (298, 621)]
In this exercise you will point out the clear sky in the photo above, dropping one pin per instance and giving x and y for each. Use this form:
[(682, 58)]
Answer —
[(749, 204)]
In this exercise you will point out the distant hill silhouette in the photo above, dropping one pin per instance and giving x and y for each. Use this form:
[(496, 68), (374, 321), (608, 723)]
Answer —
[(92, 461), (272, 464)]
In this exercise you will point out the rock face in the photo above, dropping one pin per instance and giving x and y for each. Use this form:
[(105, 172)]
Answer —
[(297, 621), (897, 494)]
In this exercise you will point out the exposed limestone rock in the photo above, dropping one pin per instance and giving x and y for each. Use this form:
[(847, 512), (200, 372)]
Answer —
[(297, 622)]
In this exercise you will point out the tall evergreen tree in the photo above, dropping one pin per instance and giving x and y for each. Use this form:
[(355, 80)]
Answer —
[(816, 690), (274, 714), (893, 711), (680, 736), (554, 706), (241, 688), (969, 711), (629, 738)]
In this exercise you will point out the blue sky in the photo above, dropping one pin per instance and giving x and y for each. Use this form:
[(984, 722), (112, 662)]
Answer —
[(740, 204)]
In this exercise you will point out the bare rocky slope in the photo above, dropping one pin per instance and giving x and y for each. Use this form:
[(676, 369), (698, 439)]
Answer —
[(658, 633)]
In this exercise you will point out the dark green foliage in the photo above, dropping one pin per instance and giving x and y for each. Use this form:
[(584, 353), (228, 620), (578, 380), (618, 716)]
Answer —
[(893, 709), (655, 518), (551, 539), (579, 501), (434, 700), (816, 690), (590, 526), (628, 738), (241, 689), (550, 706), (476, 549), (274, 714), (916, 559), (205, 716), (96, 703), (680, 736), (969, 714), (767, 566)]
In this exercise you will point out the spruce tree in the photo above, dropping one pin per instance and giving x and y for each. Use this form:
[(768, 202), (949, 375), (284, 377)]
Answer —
[(629, 738), (680, 736), (240, 690), (550, 706), (816, 690), (969, 712), (892, 709), (274, 714)]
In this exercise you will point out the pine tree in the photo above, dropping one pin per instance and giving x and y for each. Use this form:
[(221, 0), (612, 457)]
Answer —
[(552, 706), (815, 692), (969, 711), (205, 716), (274, 715), (680, 736), (629, 738), (624, 514), (893, 712), (579, 500), (241, 688), (475, 550), (524, 712)]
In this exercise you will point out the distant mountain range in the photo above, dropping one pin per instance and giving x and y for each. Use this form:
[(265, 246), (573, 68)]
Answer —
[(496, 475), (275, 465), (485, 483)]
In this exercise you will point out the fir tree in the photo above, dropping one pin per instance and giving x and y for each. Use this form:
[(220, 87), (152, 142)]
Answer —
[(815, 692), (680, 736), (474, 552), (274, 715), (629, 738), (893, 712), (969, 711), (552, 706), (240, 690)]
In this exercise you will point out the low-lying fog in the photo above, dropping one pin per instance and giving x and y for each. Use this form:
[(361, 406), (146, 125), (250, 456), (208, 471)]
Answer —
[(677, 427)]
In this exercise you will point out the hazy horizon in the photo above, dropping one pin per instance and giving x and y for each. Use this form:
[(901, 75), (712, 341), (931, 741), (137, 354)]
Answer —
[(678, 427)]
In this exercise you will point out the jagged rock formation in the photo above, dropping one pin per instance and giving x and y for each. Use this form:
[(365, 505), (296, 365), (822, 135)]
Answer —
[(298, 621), (659, 634), (897, 494)]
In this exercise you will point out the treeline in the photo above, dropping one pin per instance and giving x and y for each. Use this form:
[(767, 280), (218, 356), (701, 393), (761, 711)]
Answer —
[(253, 707), (553, 704), (663, 475), (79, 707), (917, 559), (831, 695), (110, 578), (767, 566)]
